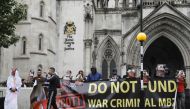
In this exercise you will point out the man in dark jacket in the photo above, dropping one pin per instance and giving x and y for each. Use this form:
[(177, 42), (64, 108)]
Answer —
[(53, 81), (94, 75)]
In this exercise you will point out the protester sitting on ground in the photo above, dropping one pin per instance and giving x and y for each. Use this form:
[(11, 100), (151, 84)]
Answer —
[(114, 76), (80, 76), (68, 76), (146, 76), (94, 75), (161, 70), (181, 82)]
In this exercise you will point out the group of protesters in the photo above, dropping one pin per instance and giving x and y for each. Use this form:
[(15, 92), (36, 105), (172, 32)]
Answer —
[(14, 83), (52, 79)]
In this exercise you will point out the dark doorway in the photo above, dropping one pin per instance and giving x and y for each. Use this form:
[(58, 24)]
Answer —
[(163, 51)]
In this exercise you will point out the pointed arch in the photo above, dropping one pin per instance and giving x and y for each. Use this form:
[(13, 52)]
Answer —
[(108, 51), (40, 41), (42, 8), (168, 25)]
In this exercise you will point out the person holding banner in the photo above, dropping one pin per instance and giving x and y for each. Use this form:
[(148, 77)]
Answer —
[(13, 85), (114, 76), (80, 76), (94, 75), (146, 76), (181, 89), (38, 92), (131, 73), (161, 70), (53, 81)]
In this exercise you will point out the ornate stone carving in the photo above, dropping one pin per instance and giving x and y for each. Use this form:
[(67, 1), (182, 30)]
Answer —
[(95, 41), (70, 28), (88, 10), (109, 51), (88, 42)]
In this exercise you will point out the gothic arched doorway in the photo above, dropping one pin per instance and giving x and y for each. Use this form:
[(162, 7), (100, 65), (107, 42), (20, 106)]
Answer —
[(108, 57), (163, 51)]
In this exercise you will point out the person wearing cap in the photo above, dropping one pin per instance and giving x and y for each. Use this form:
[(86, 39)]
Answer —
[(146, 76), (114, 76), (131, 73), (161, 70), (181, 89)]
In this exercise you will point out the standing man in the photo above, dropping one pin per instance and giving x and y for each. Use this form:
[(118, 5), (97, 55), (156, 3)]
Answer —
[(13, 85), (94, 75), (38, 92), (181, 89), (53, 82)]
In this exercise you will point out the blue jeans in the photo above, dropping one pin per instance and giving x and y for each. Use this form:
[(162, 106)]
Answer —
[(181, 100)]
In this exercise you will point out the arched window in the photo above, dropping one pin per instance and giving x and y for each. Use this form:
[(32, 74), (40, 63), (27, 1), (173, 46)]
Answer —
[(25, 12), (24, 45), (40, 42), (42, 5)]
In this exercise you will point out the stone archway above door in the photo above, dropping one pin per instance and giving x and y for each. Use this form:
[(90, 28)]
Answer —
[(166, 25)]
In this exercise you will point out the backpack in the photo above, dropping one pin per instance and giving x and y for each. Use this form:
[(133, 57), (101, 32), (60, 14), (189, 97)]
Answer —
[(58, 85)]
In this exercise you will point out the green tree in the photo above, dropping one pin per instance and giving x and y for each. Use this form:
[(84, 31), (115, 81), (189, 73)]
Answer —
[(11, 12)]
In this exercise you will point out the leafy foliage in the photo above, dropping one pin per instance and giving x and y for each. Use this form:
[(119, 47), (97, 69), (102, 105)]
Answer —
[(11, 12)]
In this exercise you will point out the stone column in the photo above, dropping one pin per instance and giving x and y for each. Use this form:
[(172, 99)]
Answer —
[(187, 68), (88, 17), (130, 3), (124, 3), (88, 44), (116, 3)]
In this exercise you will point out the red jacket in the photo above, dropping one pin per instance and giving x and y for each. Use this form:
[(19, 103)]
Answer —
[(181, 85)]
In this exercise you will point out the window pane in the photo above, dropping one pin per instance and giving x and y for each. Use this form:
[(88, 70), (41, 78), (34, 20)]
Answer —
[(24, 47), (112, 66), (40, 43), (104, 69), (41, 10)]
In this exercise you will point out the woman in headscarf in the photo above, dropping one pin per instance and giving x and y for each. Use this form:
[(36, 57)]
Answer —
[(13, 85)]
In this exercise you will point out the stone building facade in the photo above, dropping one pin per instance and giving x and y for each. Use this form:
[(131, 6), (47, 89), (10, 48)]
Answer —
[(78, 34)]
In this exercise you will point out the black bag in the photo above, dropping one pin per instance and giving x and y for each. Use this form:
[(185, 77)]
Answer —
[(58, 85)]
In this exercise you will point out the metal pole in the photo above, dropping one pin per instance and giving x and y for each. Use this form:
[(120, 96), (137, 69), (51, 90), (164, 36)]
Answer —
[(141, 15), (141, 53), (142, 83)]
